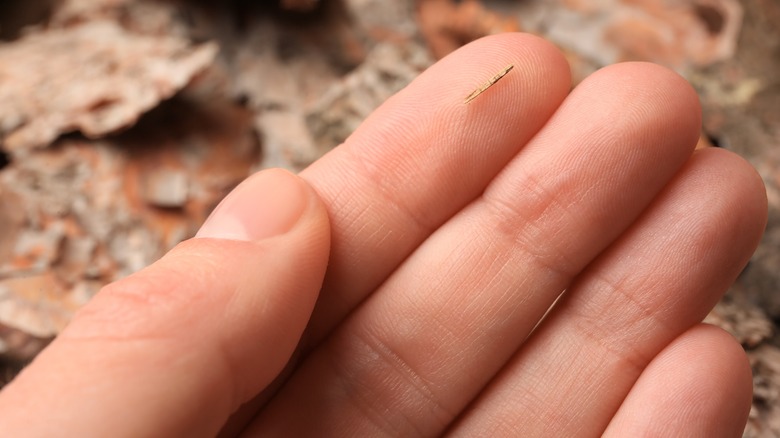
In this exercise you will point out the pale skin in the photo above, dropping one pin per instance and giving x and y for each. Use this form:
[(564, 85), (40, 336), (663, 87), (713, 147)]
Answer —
[(433, 242)]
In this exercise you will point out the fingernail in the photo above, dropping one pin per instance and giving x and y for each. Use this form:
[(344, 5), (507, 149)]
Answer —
[(268, 203)]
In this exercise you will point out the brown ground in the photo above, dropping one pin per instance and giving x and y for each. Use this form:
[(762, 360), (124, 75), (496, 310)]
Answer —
[(123, 122)]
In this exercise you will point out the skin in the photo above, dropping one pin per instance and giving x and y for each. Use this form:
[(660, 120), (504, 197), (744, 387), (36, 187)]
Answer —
[(411, 296)]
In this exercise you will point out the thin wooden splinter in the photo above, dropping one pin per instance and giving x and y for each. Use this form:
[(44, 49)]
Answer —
[(481, 89)]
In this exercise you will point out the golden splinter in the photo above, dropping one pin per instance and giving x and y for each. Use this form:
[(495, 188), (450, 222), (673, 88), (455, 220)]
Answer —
[(474, 94)]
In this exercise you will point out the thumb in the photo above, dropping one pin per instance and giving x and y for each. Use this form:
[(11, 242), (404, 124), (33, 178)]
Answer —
[(174, 349)]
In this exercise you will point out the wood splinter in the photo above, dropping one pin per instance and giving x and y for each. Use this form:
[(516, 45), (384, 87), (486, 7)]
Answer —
[(481, 89)]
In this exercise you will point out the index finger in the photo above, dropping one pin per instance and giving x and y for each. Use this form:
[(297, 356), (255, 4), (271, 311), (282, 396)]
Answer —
[(424, 155)]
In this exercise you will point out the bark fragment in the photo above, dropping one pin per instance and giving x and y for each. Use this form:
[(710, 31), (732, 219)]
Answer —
[(95, 78)]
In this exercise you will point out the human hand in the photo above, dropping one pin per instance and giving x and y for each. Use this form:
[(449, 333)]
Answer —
[(453, 228)]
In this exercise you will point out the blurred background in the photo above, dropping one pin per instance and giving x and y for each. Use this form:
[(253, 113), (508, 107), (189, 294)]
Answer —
[(124, 122)]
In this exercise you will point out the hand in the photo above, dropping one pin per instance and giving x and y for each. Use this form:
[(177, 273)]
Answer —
[(453, 228)]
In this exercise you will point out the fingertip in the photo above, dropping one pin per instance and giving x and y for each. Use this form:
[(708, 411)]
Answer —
[(266, 204), (655, 97), (700, 385), (539, 80), (534, 52), (713, 379), (739, 198), (540, 72), (652, 80), (745, 178)]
